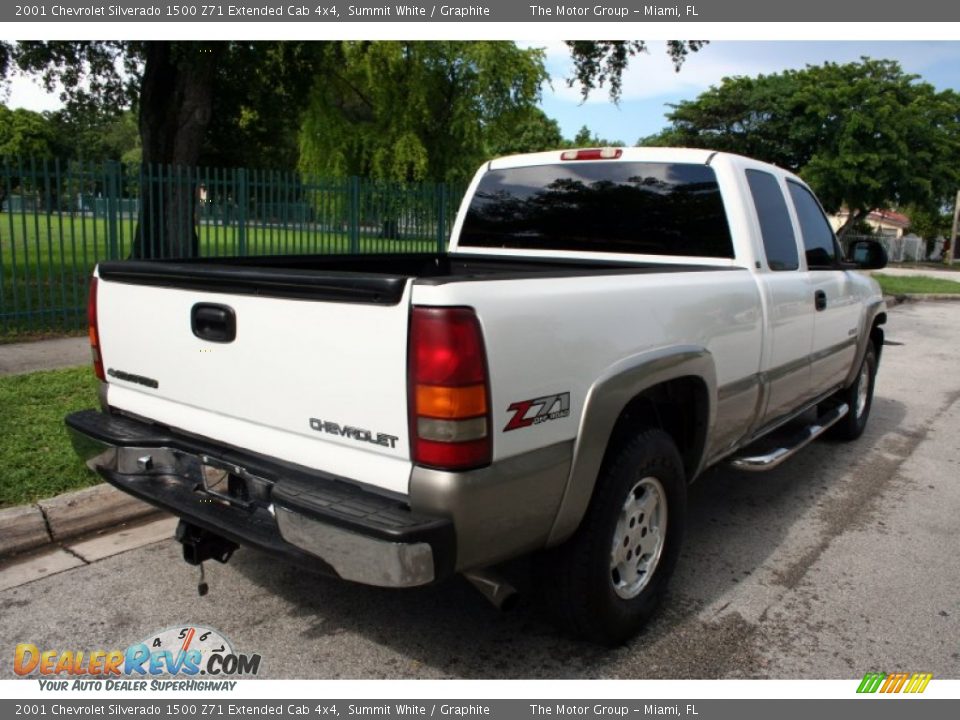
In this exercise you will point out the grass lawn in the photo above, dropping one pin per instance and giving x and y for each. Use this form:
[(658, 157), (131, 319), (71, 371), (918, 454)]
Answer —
[(36, 458), (911, 284)]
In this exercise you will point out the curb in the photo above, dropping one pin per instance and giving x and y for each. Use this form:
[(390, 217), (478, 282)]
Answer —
[(51, 521)]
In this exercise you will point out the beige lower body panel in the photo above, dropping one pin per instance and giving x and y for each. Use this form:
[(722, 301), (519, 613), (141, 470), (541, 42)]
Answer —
[(501, 511)]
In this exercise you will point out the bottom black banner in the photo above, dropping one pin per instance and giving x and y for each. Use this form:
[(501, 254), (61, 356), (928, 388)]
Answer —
[(872, 708)]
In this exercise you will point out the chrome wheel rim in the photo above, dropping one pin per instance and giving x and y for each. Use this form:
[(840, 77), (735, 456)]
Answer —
[(863, 387), (639, 538)]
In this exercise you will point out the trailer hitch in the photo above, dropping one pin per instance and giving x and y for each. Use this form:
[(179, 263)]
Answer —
[(200, 545)]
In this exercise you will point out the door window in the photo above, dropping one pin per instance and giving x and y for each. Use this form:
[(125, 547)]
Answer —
[(819, 243)]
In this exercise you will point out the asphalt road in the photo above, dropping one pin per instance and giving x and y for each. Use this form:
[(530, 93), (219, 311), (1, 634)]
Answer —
[(842, 561)]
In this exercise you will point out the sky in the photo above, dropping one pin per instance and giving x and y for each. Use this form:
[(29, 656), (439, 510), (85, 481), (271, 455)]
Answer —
[(651, 84)]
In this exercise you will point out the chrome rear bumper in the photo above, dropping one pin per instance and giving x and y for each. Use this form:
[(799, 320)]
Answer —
[(326, 523)]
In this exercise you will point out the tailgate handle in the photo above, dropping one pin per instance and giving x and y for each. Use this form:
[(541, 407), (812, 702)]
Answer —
[(215, 323)]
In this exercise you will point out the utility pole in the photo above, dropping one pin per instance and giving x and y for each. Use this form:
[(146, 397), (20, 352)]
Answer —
[(952, 253)]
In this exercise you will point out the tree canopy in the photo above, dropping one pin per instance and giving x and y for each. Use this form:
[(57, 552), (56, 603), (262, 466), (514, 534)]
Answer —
[(25, 133), (417, 110), (264, 104), (599, 63), (865, 135), (533, 131), (585, 137), (195, 102)]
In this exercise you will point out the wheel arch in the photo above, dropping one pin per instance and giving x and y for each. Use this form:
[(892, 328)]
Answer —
[(875, 317), (877, 334), (651, 389)]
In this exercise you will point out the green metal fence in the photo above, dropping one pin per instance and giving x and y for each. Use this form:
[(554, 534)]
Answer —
[(58, 219)]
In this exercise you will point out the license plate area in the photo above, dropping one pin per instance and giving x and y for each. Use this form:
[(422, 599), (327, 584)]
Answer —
[(232, 483)]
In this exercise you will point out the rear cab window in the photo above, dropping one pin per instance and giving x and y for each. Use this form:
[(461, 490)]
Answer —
[(776, 228), (609, 207)]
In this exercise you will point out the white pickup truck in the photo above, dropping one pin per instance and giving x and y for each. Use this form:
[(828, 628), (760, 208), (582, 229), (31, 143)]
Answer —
[(607, 324)]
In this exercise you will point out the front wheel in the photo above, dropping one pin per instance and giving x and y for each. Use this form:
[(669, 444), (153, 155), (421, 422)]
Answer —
[(859, 398), (608, 578)]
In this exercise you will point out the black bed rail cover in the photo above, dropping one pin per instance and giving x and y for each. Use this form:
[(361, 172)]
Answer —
[(328, 285)]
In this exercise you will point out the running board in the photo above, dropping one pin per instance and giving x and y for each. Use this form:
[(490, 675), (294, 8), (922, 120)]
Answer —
[(770, 460)]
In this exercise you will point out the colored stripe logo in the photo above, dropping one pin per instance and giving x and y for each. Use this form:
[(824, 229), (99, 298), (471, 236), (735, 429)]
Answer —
[(894, 682)]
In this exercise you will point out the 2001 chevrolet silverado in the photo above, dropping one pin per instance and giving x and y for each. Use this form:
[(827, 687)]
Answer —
[(606, 325)]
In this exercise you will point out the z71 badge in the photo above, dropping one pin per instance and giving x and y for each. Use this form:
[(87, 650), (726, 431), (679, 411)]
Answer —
[(538, 410)]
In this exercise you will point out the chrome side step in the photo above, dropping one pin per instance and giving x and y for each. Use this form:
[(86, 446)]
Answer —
[(769, 460)]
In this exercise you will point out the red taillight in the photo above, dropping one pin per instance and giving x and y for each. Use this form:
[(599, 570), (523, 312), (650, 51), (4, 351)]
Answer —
[(592, 154), (94, 330), (449, 394)]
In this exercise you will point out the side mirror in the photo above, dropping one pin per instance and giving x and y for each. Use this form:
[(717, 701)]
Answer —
[(867, 254)]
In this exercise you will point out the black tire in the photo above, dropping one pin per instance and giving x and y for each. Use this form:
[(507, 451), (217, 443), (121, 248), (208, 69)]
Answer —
[(582, 584), (854, 422)]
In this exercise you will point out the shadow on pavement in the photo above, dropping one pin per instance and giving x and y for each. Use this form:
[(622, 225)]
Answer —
[(736, 523)]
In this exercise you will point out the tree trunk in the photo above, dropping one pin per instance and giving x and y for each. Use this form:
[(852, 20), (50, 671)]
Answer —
[(853, 218), (175, 108)]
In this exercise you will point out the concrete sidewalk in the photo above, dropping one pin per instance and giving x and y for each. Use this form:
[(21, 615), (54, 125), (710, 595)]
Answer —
[(17, 358)]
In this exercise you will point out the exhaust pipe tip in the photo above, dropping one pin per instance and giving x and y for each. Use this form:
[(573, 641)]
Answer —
[(500, 593)]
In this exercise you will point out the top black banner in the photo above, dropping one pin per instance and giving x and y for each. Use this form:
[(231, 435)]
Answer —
[(326, 11)]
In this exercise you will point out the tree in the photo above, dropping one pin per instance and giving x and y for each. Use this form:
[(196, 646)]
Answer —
[(177, 89), (95, 135), (171, 84), (585, 138), (930, 223), (533, 132), (417, 110), (749, 116), (864, 135), (25, 133), (224, 101), (259, 97), (602, 62)]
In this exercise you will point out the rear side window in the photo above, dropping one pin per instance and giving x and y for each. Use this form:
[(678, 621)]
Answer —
[(779, 242), (614, 207), (818, 240)]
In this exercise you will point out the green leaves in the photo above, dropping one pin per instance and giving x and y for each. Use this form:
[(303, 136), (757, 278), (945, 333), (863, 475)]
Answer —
[(417, 110), (25, 133), (599, 63), (865, 135)]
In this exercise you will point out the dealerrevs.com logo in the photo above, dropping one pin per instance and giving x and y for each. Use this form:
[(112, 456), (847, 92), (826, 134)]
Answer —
[(172, 659), (889, 683)]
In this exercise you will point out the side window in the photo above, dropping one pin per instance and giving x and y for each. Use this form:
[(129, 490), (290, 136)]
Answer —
[(818, 240), (779, 242)]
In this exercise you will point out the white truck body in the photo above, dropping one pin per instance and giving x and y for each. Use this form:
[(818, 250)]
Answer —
[(323, 384)]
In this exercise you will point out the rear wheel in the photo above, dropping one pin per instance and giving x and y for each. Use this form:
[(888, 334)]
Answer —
[(608, 578), (859, 398)]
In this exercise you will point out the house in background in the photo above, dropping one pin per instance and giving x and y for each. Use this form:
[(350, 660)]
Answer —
[(887, 223)]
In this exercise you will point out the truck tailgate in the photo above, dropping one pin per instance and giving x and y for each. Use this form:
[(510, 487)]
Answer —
[(315, 375)]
